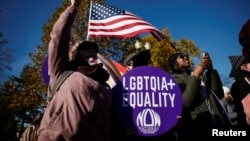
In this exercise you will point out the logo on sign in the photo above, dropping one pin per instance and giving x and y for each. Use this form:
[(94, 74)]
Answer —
[(148, 99), (148, 127)]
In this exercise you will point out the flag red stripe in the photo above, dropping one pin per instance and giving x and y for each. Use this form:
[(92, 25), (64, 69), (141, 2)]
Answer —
[(125, 35), (117, 20), (124, 27)]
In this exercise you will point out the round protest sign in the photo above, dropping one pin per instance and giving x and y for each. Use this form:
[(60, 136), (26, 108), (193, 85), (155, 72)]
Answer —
[(148, 99)]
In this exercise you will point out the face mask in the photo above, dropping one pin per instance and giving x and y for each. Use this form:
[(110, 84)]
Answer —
[(92, 61)]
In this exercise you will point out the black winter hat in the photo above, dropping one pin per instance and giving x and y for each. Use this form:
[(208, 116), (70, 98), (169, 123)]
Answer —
[(171, 60), (86, 45), (140, 58)]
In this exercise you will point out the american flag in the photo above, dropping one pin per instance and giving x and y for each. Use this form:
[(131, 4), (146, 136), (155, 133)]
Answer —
[(109, 21)]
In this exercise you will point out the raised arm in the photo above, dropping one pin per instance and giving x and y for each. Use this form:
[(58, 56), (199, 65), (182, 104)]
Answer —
[(59, 43)]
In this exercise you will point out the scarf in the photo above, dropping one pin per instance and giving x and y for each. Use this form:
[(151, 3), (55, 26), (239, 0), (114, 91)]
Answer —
[(239, 73)]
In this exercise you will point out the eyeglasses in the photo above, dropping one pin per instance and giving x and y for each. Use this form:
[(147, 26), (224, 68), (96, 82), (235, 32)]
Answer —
[(182, 56)]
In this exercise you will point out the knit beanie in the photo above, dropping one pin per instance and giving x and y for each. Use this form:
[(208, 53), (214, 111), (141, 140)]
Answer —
[(236, 61), (171, 60)]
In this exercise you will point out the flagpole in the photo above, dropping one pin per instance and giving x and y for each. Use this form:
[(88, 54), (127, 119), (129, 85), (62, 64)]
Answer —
[(90, 9)]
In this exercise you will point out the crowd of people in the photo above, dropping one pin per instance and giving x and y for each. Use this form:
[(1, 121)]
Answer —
[(82, 107)]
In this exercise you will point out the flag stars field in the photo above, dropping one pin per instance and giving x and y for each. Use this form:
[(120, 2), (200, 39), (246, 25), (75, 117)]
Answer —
[(103, 12)]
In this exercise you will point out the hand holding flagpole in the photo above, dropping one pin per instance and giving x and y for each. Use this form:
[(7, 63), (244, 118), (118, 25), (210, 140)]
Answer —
[(75, 3)]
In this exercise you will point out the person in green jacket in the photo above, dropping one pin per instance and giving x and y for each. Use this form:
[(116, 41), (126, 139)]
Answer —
[(201, 90)]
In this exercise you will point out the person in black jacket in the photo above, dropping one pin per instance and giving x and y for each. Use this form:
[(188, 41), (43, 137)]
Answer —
[(241, 86)]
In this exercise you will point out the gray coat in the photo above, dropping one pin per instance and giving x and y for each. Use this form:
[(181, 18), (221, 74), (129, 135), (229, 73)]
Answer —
[(230, 108)]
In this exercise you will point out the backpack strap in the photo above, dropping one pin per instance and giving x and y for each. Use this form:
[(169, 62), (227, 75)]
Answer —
[(58, 83), (56, 86)]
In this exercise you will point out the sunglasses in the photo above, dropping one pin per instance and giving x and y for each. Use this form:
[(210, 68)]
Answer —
[(182, 56)]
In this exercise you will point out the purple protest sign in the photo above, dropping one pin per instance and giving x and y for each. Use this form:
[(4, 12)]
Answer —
[(45, 73), (148, 99)]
